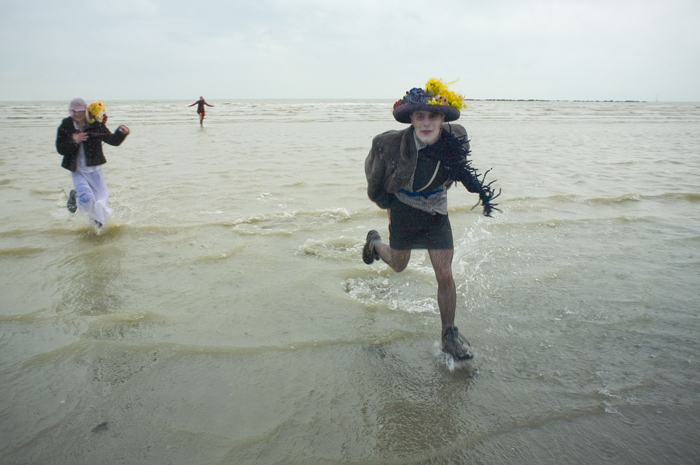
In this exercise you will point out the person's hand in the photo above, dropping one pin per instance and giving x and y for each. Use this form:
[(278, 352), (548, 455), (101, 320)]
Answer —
[(388, 212), (79, 137), (124, 130)]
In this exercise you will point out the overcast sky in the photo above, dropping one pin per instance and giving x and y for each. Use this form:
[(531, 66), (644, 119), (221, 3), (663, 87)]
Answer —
[(350, 49)]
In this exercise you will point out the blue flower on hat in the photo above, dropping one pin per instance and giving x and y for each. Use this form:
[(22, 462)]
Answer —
[(415, 95)]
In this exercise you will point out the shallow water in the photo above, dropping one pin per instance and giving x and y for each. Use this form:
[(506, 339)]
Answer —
[(224, 315)]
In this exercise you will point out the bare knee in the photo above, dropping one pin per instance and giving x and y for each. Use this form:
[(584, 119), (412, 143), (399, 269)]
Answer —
[(399, 267), (399, 260)]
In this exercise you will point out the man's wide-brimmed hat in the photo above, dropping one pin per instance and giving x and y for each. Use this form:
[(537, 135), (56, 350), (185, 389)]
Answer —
[(436, 97)]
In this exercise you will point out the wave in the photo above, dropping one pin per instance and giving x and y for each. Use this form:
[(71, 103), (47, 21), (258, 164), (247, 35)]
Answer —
[(286, 223), (342, 248), (124, 325), (688, 197), (380, 291), (634, 197), (623, 198), (111, 229), (219, 255), (278, 223), (23, 318), (19, 251), (127, 317), (690, 239), (564, 222), (109, 352)]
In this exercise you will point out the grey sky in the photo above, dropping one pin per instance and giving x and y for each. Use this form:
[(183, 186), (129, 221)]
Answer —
[(355, 49)]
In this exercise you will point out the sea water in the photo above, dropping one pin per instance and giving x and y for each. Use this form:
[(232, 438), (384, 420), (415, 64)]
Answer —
[(224, 315)]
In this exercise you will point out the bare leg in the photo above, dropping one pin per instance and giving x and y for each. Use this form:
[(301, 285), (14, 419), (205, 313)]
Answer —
[(396, 259), (447, 292), (452, 342)]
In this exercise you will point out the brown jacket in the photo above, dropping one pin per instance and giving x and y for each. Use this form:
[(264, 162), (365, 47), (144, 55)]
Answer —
[(392, 161)]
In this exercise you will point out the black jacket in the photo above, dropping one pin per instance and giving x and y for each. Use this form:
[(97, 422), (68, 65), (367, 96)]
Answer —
[(97, 133)]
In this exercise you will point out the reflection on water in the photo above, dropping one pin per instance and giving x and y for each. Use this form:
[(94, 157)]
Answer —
[(90, 279), (418, 405)]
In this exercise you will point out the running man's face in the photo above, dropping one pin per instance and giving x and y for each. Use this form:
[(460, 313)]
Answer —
[(427, 125)]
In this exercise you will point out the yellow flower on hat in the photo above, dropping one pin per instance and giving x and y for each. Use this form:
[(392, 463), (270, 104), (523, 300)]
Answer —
[(97, 110), (438, 87)]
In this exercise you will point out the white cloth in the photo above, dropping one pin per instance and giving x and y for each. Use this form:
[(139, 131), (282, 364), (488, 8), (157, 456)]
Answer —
[(92, 193), (82, 167), (91, 188)]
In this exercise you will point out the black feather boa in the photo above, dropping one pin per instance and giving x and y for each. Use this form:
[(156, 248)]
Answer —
[(450, 150)]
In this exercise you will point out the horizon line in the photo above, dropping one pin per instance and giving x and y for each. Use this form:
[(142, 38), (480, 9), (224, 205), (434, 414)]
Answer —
[(336, 99)]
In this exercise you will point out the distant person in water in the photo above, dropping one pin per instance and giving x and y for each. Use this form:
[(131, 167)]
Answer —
[(79, 140), (200, 108), (408, 174)]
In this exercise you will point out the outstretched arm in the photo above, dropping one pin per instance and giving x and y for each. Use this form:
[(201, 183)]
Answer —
[(461, 170), (115, 138)]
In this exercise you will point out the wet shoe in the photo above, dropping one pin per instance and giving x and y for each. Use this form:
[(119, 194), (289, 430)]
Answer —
[(455, 345), (369, 254), (72, 206)]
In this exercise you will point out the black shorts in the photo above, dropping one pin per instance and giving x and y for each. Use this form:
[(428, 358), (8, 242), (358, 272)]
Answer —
[(411, 228)]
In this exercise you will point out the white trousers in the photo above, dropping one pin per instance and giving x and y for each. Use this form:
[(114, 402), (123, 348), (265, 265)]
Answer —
[(92, 193)]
